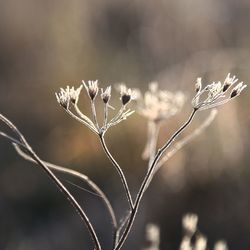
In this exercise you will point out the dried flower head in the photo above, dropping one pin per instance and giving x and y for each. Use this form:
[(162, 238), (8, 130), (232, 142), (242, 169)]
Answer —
[(198, 85), (105, 95), (127, 94), (215, 93), (158, 105), (186, 243), (91, 88), (220, 245), (68, 95), (153, 233), (189, 223), (200, 243)]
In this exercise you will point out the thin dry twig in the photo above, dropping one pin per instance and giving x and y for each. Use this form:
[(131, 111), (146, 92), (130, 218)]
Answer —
[(57, 182)]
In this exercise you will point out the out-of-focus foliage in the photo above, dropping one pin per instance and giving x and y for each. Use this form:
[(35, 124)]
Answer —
[(47, 44)]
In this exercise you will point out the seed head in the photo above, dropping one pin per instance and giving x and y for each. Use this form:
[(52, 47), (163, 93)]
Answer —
[(74, 94), (158, 105), (126, 94), (229, 81), (201, 243), (91, 88), (220, 245), (198, 85), (105, 95), (215, 93), (67, 96), (189, 223), (238, 89)]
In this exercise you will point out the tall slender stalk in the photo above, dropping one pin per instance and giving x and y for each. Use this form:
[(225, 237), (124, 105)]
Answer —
[(119, 170), (57, 182), (148, 178)]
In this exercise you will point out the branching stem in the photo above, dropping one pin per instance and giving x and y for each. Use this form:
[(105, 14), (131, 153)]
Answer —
[(119, 170), (148, 178), (57, 182)]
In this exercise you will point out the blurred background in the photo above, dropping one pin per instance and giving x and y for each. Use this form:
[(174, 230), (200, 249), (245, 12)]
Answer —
[(49, 44)]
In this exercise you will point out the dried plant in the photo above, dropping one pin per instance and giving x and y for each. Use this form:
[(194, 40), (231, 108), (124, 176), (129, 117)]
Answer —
[(156, 106), (193, 239)]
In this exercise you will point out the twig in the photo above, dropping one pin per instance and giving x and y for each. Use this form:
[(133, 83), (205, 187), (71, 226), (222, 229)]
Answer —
[(58, 183), (81, 176), (180, 144), (119, 170)]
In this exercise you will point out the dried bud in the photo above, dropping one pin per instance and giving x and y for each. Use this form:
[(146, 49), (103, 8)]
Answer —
[(126, 95), (125, 99), (74, 94), (189, 223), (233, 93), (68, 95), (220, 245), (105, 95), (229, 81), (198, 85), (92, 88), (201, 243), (238, 89)]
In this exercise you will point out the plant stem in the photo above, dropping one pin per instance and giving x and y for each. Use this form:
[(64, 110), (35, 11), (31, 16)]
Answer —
[(57, 182), (154, 132), (148, 178), (119, 170), (81, 176), (94, 114)]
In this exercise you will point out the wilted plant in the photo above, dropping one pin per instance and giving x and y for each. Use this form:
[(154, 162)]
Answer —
[(156, 106)]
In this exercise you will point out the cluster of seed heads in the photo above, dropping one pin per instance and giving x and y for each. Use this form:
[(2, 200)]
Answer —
[(69, 97), (158, 105), (216, 94), (193, 239)]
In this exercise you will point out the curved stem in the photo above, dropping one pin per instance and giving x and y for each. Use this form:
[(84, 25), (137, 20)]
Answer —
[(82, 121), (57, 182), (119, 170), (81, 176), (155, 128), (148, 178), (183, 142)]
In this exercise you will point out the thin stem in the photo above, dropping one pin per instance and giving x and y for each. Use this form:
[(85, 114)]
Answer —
[(84, 117), (81, 176), (10, 138), (105, 116), (124, 221), (155, 128), (82, 121), (180, 144), (119, 170), (148, 179), (94, 114), (117, 116), (57, 182)]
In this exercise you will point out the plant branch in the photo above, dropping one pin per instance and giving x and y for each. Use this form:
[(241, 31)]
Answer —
[(119, 170), (182, 143), (57, 182), (148, 178), (82, 177)]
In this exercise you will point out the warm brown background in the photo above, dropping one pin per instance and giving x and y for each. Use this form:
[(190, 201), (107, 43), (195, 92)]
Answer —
[(47, 44)]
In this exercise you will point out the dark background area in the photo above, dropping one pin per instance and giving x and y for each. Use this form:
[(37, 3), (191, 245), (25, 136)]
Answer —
[(49, 44)]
